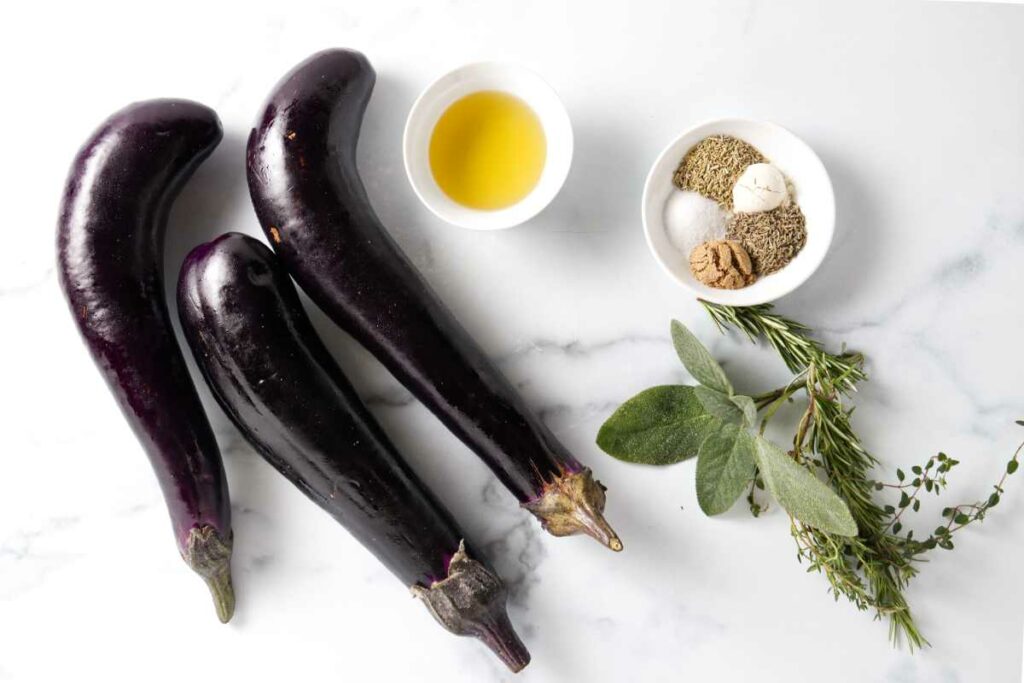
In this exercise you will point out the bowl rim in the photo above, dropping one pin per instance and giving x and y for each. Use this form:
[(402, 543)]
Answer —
[(539, 198), (737, 299)]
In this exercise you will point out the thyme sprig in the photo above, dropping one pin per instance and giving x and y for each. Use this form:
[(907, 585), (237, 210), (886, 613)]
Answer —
[(873, 569)]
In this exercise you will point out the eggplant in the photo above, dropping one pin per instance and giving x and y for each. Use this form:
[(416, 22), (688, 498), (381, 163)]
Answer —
[(280, 386), (110, 253), (311, 203)]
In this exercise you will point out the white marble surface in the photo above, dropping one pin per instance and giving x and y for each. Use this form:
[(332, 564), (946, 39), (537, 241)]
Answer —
[(916, 109)]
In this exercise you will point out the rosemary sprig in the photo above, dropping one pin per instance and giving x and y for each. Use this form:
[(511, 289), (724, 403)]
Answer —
[(797, 350), (873, 569)]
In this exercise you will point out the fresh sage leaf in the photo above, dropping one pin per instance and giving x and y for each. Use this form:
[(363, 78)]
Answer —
[(725, 467), (746, 404), (698, 361), (801, 493), (659, 426), (720, 405)]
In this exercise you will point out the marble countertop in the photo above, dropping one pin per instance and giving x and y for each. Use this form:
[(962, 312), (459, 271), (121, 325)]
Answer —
[(917, 110)]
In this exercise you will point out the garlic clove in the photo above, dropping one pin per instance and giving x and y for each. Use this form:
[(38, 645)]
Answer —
[(761, 187)]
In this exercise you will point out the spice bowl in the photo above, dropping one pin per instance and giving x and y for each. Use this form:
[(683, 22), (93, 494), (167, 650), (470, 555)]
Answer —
[(811, 186), (510, 79)]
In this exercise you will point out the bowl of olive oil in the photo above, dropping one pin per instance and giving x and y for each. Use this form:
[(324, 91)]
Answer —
[(487, 146)]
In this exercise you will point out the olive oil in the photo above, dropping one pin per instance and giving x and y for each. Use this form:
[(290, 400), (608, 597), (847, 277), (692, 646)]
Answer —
[(487, 150)]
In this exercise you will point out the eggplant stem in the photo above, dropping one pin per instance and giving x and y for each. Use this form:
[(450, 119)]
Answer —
[(573, 503), (209, 555), (470, 601)]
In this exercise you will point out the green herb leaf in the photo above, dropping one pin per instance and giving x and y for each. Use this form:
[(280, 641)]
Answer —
[(698, 361), (658, 426), (802, 494), (746, 404), (725, 466), (719, 405), (1011, 467)]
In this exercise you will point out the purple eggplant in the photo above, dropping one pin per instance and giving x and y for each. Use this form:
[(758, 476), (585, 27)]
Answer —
[(110, 253), (313, 207), (280, 386)]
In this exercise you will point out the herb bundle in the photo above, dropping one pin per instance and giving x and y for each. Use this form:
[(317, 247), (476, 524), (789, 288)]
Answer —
[(823, 482)]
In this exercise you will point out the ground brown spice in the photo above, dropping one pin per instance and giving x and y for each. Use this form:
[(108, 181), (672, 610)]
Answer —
[(723, 264), (772, 238), (713, 166)]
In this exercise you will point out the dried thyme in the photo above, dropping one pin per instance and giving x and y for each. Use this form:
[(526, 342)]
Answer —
[(713, 166), (772, 238)]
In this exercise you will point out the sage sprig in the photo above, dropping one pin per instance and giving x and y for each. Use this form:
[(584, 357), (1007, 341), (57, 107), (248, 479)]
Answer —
[(861, 545), (667, 424)]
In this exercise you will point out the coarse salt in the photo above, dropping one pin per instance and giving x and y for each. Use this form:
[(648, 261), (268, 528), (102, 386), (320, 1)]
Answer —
[(691, 219)]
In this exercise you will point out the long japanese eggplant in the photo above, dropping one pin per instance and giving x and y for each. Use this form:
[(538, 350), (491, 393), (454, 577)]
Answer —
[(280, 386), (110, 249), (312, 205)]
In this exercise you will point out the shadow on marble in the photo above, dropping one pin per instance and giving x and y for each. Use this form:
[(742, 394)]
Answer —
[(850, 260), (211, 203), (602, 192)]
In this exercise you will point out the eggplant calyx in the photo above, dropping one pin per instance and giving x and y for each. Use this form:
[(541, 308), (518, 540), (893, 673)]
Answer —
[(471, 602), (209, 555), (573, 503)]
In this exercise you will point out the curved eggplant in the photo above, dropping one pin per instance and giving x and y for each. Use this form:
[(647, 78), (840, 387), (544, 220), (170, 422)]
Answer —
[(110, 247), (278, 383), (312, 205)]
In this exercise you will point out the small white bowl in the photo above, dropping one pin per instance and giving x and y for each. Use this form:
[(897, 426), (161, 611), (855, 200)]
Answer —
[(813, 191), (440, 94)]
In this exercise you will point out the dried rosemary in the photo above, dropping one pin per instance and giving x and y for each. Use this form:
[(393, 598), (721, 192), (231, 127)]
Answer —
[(772, 238), (713, 166)]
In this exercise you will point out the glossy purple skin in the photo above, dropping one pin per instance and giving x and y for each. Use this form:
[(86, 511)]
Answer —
[(278, 383), (312, 205), (110, 253)]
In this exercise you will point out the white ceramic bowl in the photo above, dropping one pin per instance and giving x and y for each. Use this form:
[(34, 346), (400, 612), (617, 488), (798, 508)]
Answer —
[(440, 94), (813, 191)]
